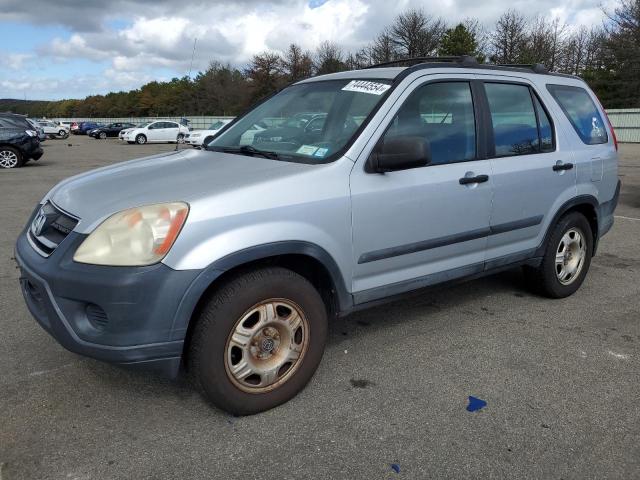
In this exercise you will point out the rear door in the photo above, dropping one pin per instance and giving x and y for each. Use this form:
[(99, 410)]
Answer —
[(531, 164), (170, 132)]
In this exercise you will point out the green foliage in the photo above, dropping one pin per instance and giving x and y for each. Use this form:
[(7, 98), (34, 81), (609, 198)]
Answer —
[(458, 41)]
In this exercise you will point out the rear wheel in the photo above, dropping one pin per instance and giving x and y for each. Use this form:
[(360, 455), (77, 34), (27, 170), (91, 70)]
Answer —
[(566, 259), (141, 139), (180, 138), (258, 341), (10, 158)]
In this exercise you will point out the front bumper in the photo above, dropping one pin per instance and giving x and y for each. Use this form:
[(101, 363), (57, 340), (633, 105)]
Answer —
[(122, 315)]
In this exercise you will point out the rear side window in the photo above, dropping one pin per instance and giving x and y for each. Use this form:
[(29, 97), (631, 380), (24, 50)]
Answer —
[(520, 125), (581, 112), (442, 113)]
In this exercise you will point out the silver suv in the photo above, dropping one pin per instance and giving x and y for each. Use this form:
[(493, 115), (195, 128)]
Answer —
[(336, 194)]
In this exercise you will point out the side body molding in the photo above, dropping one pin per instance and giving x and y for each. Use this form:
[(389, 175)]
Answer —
[(259, 252)]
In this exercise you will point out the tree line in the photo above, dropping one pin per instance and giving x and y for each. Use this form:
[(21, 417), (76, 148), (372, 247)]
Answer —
[(606, 56)]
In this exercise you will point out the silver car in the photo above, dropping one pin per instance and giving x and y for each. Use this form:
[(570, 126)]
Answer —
[(230, 261)]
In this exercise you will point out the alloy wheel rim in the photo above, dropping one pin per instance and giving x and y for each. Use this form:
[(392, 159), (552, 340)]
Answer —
[(266, 345), (570, 256), (8, 159)]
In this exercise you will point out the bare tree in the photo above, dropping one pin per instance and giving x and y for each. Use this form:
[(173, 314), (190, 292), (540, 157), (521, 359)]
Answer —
[(265, 74), (509, 38), (416, 34), (383, 48), (545, 42), (329, 58), (297, 64)]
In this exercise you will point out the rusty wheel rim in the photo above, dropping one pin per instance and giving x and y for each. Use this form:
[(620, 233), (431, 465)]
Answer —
[(266, 345)]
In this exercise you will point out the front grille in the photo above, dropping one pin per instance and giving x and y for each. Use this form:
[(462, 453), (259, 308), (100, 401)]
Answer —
[(49, 228)]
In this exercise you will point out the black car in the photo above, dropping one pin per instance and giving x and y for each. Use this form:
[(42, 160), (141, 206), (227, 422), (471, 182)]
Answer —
[(19, 142), (111, 130)]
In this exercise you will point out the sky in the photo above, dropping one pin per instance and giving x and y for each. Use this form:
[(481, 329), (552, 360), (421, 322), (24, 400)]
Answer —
[(74, 48)]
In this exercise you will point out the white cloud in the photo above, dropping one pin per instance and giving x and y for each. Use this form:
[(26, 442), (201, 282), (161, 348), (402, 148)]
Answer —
[(158, 35)]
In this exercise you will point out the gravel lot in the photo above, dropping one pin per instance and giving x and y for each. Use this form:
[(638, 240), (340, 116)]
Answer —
[(561, 378)]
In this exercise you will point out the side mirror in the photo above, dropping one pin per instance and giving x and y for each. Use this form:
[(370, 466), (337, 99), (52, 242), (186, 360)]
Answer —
[(399, 153)]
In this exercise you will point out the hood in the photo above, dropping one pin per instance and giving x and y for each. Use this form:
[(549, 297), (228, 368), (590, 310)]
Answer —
[(185, 175)]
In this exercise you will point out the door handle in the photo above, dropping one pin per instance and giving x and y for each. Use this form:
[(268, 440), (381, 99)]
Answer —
[(562, 166), (476, 179)]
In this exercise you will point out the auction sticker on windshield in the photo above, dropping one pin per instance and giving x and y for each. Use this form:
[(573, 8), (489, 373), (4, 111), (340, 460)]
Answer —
[(365, 86), (307, 150)]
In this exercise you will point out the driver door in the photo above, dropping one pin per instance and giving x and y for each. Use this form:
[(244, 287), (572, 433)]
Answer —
[(421, 226)]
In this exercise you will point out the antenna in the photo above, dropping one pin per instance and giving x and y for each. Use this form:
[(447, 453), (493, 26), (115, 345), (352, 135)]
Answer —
[(192, 55)]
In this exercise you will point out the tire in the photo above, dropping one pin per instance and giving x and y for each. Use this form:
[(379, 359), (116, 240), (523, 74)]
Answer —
[(63, 134), (10, 157), (180, 138), (237, 306), (141, 139), (566, 259), (102, 135)]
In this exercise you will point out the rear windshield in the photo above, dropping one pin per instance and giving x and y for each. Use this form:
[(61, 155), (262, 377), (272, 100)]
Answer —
[(10, 121), (581, 112)]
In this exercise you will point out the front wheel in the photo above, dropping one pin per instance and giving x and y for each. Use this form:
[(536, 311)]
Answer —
[(566, 259), (103, 135), (141, 139), (258, 341), (63, 134)]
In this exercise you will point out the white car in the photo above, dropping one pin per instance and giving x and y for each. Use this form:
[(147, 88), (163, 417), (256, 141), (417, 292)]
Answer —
[(198, 138), (52, 129), (161, 131)]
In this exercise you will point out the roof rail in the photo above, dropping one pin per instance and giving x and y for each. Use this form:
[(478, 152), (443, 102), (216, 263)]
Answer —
[(464, 60), (536, 67)]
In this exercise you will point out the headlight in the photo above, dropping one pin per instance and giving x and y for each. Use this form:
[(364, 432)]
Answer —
[(134, 237), (195, 135)]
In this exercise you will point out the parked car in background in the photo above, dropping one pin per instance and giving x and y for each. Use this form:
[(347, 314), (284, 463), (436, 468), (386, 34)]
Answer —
[(74, 127), (124, 131), (19, 142), (36, 126), (53, 129), (110, 130), (161, 131), (198, 138), (85, 127)]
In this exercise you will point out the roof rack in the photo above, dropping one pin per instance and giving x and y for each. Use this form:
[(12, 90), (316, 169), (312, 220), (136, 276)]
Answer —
[(536, 67), (463, 60)]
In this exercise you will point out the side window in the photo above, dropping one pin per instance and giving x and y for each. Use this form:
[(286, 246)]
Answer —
[(544, 126), (581, 112), (442, 113), (515, 128), (170, 125)]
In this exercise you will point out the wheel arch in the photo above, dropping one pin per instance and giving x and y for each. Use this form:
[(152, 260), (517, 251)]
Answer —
[(307, 259), (588, 206)]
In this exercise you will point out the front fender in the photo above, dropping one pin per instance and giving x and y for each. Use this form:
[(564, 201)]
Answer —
[(211, 273)]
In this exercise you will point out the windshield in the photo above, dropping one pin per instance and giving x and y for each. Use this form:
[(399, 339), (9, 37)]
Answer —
[(216, 125), (144, 125), (307, 122)]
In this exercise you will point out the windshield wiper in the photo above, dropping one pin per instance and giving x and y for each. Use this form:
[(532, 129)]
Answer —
[(249, 150)]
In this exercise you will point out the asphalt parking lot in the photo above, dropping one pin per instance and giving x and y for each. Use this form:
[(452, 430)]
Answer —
[(561, 378)]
